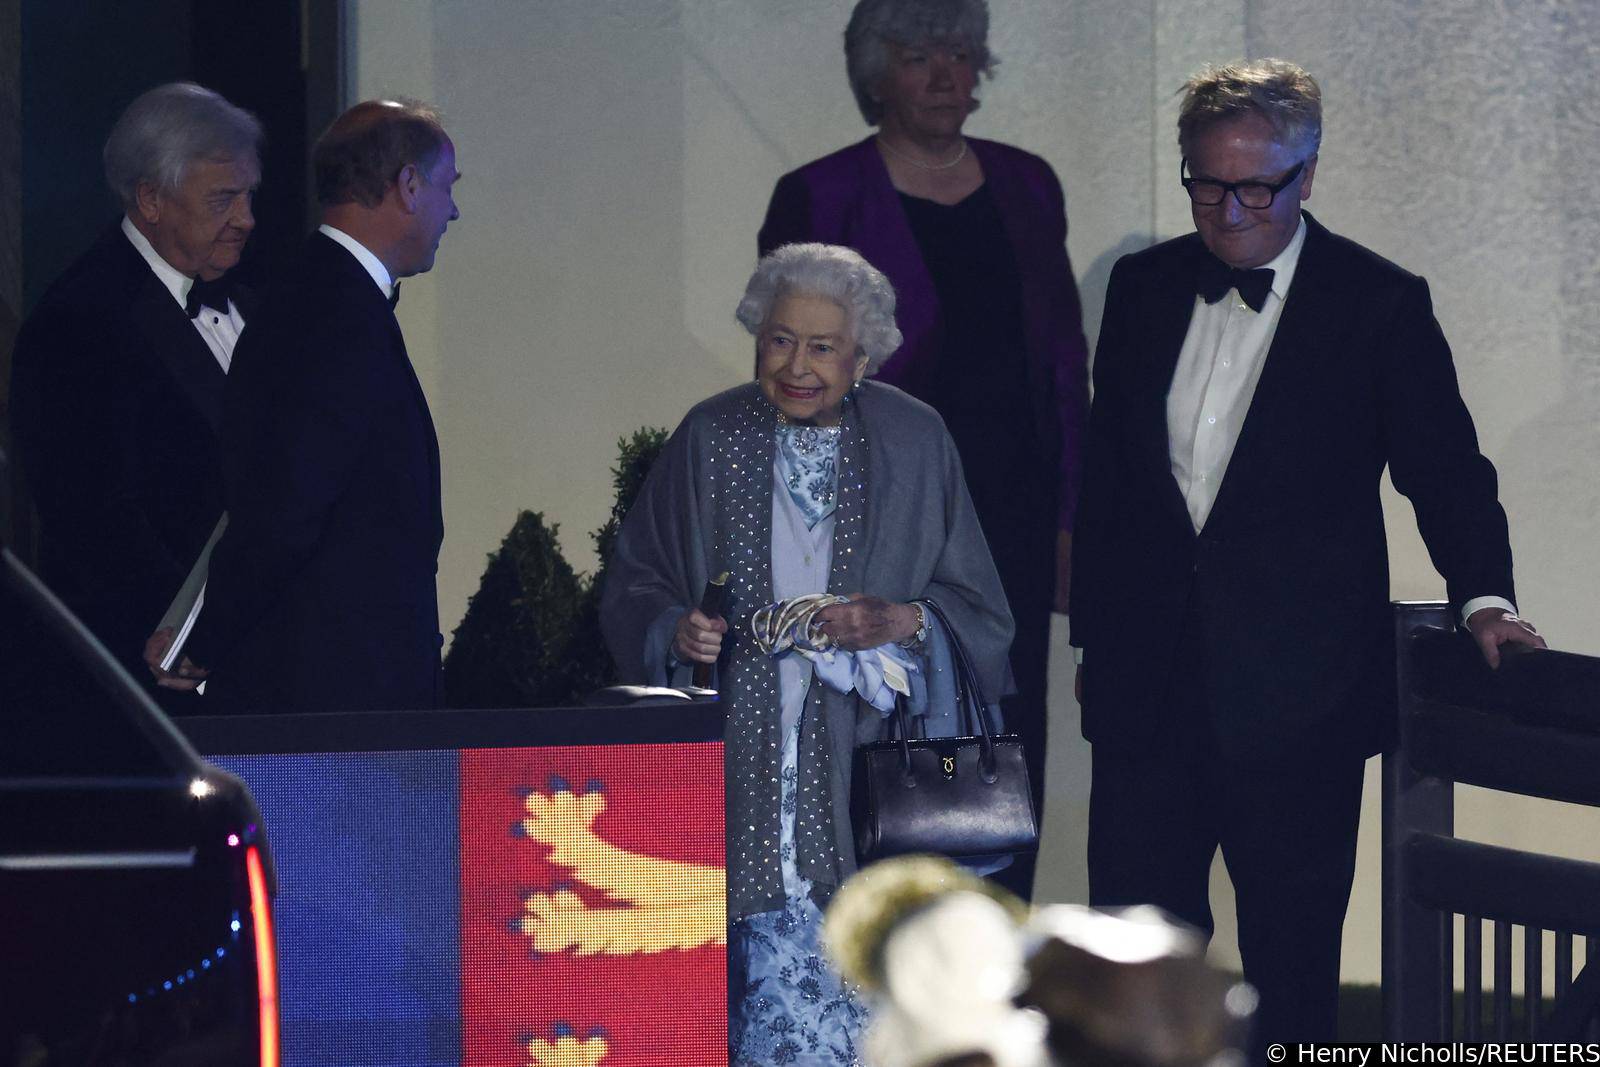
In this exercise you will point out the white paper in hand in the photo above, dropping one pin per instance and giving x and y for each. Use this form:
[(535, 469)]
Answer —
[(185, 607)]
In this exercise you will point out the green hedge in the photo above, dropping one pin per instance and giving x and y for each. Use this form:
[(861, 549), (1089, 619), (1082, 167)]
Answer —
[(531, 634)]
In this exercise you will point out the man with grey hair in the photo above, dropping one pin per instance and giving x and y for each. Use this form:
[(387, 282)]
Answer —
[(1231, 605), (119, 371)]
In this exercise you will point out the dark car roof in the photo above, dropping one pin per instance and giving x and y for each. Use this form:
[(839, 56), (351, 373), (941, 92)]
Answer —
[(141, 871)]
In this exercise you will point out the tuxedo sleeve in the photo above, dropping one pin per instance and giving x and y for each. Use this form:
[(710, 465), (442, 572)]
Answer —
[(1093, 532), (79, 434), (300, 410), (1434, 458)]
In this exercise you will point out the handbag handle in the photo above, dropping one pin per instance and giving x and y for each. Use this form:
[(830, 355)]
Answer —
[(967, 681), (968, 689)]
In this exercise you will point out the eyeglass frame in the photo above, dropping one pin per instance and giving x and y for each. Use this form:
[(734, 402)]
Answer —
[(1273, 188)]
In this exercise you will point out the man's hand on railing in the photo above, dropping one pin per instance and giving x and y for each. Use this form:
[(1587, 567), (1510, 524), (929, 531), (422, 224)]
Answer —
[(1492, 627)]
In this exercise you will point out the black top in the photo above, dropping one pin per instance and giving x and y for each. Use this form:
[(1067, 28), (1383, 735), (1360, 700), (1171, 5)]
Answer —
[(982, 379)]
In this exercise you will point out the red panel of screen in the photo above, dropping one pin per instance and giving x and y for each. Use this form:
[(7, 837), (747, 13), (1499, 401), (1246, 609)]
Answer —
[(593, 911)]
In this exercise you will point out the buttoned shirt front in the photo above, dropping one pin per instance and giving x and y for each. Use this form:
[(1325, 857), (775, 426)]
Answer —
[(1215, 380), (219, 328)]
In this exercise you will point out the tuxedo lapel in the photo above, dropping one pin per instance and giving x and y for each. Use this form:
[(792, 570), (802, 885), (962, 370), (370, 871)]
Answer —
[(244, 298), (1167, 315), (170, 336), (429, 433), (1172, 306), (1308, 320)]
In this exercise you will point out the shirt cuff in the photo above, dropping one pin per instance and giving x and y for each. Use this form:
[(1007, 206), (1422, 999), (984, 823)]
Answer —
[(1077, 656), (1478, 603)]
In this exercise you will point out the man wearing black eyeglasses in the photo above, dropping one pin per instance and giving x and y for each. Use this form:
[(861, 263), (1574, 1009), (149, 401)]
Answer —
[(1230, 598)]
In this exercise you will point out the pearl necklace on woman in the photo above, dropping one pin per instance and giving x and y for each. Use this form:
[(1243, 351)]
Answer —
[(919, 164)]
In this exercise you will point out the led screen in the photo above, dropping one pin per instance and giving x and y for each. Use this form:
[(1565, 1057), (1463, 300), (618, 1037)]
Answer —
[(540, 906)]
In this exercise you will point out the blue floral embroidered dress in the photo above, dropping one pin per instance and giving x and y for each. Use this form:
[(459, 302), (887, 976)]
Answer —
[(786, 1005), (789, 1007)]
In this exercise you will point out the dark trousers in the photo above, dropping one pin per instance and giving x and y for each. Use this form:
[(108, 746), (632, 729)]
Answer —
[(1287, 830)]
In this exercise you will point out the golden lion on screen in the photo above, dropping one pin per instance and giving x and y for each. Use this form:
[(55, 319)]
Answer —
[(664, 904), (567, 1050)]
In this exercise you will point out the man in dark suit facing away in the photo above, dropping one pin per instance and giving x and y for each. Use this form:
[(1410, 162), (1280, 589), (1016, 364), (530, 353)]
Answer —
[(118, 377), (321, 592), (1230, 600)]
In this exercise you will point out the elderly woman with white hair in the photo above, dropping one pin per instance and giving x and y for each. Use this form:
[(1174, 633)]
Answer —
[(811, 479), (972, 235)]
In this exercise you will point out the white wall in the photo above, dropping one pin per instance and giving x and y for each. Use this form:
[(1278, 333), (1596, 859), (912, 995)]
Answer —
[(618, 156)]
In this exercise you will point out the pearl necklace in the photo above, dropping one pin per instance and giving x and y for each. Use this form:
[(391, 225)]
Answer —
[(919, 164)]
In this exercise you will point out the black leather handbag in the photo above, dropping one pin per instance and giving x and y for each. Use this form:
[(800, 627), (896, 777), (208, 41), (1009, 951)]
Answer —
[(960, 797)]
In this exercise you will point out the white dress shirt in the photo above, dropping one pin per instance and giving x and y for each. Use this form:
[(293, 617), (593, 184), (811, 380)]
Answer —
[(1214, 382), (1215, 379), (374, 266), (219, 328)]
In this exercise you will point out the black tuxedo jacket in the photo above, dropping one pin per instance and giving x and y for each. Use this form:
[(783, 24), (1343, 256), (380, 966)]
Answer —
[(1286, 589), (116, 402), (321, 593)]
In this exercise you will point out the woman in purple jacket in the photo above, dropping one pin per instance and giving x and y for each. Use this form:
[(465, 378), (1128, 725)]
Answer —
[(972, 235)]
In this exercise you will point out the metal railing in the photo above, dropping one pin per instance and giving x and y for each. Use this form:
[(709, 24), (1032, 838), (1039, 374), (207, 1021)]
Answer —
[(1531, 728)]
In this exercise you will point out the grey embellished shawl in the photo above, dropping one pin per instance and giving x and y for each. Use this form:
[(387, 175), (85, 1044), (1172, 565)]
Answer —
[(905, 529)]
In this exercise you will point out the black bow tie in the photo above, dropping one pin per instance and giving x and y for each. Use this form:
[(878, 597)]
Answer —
[(213, 294), (1216, 278), (394, 296)]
